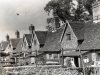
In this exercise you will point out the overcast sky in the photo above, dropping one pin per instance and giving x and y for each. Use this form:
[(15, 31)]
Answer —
[(30, 12)]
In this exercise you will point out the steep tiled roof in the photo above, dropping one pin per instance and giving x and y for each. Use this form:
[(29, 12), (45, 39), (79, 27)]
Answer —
[(53, 40), (28, 38), (14, 42), (18, 47), (78, 29), (91, 37), (4, 44), (41, 35)]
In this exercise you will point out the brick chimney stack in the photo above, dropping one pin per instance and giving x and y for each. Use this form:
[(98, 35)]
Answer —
[(7, 37), (57, 22), (17, 33), (31, 29)]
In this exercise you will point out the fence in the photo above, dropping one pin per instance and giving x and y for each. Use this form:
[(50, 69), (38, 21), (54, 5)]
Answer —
[(48, 70)]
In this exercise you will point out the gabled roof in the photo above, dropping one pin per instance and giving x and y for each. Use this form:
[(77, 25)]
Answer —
[(53, 40), (41, 36), (19, 46), (28, 38), (78, 29), (14, 42), (91, 37), (4, 44)]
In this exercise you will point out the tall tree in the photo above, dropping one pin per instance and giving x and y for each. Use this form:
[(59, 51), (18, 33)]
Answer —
[(59, 7), (75, 10)]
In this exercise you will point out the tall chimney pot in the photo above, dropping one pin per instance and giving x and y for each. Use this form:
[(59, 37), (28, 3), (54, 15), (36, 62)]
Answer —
[(31, 28), (7, 37), (17, 33)]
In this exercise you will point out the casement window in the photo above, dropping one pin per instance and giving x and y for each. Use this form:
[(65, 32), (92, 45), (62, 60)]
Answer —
[(50, 56), (68, 36), (55, 56), (86, 59)]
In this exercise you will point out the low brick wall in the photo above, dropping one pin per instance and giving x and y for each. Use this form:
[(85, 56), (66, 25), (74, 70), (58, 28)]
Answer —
[(47, 70)]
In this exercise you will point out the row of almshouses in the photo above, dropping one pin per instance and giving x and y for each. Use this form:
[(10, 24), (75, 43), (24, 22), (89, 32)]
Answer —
[(73, 45), (63, 43), (18, 51), (76, 42)]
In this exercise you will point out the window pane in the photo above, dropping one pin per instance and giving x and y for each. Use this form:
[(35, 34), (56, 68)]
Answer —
[(68, 36), (50, 56), (55, 56)]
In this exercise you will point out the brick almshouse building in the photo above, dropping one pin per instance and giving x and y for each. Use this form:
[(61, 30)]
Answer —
[(74, 40)]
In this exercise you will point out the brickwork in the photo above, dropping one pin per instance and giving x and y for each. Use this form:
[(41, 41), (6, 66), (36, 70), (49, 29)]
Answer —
[(40, 70), (48, 70)]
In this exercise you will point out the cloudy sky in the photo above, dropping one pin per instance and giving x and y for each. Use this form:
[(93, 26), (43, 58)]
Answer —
[(30, 12)]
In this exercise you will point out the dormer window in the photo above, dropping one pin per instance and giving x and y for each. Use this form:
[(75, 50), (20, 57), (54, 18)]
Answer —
[(68, 36)]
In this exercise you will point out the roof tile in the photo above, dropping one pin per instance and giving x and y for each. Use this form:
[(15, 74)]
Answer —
[(4, 44), (41, 35), (53, 41), (14, 42), (53, 38), (78, 29), (28, 38), (19, 47), (91, 37)]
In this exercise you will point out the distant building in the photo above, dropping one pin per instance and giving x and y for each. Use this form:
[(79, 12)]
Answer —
[(12, 43), (2, 49), (11, 49), (3, 46), (32, 42)]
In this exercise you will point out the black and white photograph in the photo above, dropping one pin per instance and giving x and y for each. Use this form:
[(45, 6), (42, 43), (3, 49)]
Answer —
[(49, 37)]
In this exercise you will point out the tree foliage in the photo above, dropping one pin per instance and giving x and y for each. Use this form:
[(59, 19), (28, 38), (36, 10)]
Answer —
[(88, 5), (62, 9), (59, 7)]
